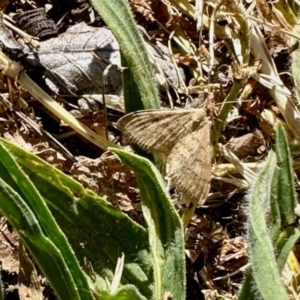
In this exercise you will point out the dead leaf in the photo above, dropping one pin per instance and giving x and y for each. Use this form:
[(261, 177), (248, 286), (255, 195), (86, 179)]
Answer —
[(69, 60), (76, 60), (249, 144)]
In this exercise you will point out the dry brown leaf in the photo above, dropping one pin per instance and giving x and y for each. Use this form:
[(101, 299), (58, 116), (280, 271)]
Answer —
[(183, 137), (252, 143)]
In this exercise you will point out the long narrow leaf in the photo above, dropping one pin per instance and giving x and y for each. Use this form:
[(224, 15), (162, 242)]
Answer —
[(275, 213), (106, 232), (285, 245), (286, 191), (46, 254), (246, 292), (261, 251), (118, 17), (46, 220), (164, 227)]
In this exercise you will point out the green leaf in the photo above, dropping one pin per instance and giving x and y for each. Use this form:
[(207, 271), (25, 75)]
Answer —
[(46, 254), (165, 229), (286, 191), (124, 293), (275, 214), (261, 251), (285, 245), (131, 94), (247, 292), (268, 207), (97, 231), (14, 175), (118, 17)]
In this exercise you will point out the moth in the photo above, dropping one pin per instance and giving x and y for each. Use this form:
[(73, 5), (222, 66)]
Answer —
[(183, 138)]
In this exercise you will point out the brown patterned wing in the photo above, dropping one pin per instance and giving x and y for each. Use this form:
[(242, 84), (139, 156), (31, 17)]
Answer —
[(159, 130), (189, 165)]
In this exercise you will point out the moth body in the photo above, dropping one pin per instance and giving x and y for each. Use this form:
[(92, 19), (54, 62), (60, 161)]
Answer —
[(183, 137)]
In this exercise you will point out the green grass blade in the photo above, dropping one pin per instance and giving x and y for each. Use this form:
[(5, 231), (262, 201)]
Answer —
[(164, 226)]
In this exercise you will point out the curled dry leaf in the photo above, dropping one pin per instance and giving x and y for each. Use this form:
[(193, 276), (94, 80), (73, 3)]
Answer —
[(183, 137)]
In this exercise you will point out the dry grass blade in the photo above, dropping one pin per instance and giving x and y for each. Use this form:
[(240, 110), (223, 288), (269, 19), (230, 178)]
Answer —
[(285, 103), (15, 70), (183, 136), (241, 167)]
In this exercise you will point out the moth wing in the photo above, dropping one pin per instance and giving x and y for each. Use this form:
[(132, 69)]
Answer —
[(159, 130), (189, 165)]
